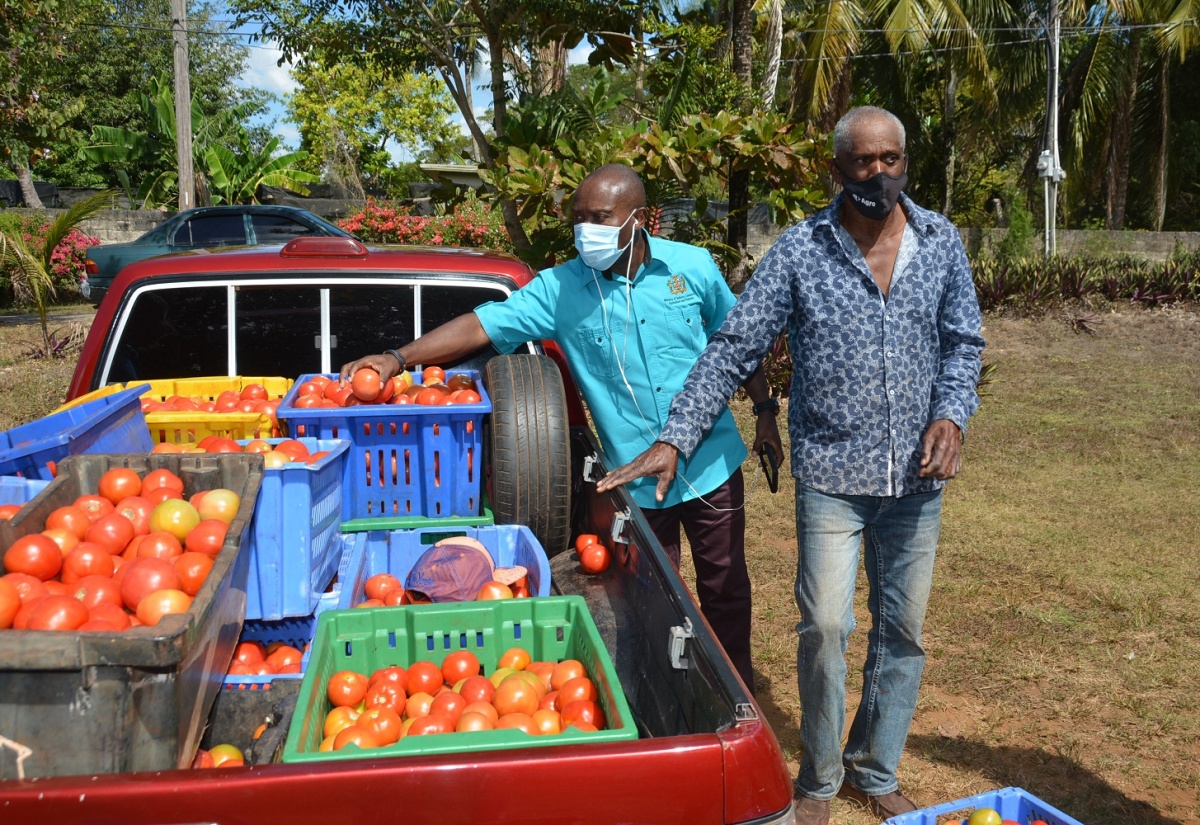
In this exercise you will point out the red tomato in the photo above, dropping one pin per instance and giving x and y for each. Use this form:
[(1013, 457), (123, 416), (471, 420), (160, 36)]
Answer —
[(160, 494), (34, 554), (379, 585), (7, 511), (431, 375), (467, 397), (249, 652), (87, 560), (460, 665), (57, 613), (515, 695), (595, 559), (471, 721), (460, 381), (207, 537), (355, 735), (338, 719), (219, 504), (517, 721), (366, 384), (285, 655), (10, 603), (162, 478), (290, 446), (386, 391), (113, 532), (74, 520), (384, 723), (386, 695), (141, 577), (346, 688), (416, 706), (66, 540), (137, 509), (547, 721), (476, 689), (427, 725), (21, 620), (395, 674), (119, 483), (111, 613), (582, 710), (94, 590), (28, 587), (517, 658), (254, 392), (566, 670), (449, 704), (583, 540), (424, 677), (159, 545), (430, 397), (159, 603), (193, 569), (494, 590), (94, 506)]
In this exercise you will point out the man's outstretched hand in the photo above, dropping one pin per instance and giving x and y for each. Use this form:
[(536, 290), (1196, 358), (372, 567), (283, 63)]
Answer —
[(659, 460)]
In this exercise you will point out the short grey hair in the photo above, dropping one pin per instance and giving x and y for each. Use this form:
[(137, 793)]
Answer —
[(842, 142)]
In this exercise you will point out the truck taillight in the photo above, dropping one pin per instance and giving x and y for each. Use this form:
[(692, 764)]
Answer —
[(89, 266)]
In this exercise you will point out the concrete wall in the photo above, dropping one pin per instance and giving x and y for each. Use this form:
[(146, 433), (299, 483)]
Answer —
[(118, 225)]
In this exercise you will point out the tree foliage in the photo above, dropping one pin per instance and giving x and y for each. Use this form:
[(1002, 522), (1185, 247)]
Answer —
[(352, 117)]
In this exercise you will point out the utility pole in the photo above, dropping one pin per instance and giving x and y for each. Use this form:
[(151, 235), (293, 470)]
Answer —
[(183, 106), (1048, 166)]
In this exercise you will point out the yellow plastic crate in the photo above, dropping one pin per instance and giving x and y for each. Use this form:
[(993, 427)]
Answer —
[(190, 427)]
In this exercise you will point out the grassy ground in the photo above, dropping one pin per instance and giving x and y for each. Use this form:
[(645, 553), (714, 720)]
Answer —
[(1062, 632)]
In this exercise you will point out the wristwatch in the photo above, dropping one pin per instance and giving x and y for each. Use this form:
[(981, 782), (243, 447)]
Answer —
[(399, 358), (771, 405)]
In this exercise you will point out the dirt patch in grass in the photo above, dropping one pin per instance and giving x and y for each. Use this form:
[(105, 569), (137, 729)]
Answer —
[(1064, 631)]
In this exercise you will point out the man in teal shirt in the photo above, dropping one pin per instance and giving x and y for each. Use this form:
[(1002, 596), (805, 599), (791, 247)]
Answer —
[(631, 314)]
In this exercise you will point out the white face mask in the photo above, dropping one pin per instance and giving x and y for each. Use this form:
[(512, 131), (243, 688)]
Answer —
[(599, 244)]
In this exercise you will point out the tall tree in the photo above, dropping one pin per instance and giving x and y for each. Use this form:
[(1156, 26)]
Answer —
[(351, 119), (742, 30), (442, 36), (36, 98)]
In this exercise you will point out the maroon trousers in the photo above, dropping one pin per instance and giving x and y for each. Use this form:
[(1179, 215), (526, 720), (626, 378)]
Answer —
[(717, 533)]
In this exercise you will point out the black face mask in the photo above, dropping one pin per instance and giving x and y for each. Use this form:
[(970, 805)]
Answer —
[(876, 196)]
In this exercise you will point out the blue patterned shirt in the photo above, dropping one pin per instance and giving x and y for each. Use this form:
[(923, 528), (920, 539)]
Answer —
[(869, 374)]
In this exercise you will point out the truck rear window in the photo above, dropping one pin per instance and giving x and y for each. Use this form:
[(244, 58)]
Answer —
[(173, 333)]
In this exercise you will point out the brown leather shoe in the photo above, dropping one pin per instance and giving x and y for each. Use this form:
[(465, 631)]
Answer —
[(812, 811), (883, 806)]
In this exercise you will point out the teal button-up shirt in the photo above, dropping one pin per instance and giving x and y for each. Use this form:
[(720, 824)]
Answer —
[(630, 344)]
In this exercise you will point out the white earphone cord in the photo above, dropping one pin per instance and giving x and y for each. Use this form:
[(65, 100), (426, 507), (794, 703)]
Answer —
[(625, 380)]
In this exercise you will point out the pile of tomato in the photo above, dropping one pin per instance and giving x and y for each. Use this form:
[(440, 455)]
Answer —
[(285, 451), (253, 658), (367, 387), (538, 698), (127, 555), (253, 398)]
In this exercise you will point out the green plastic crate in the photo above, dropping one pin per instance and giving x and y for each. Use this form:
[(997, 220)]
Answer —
[(550, 629)]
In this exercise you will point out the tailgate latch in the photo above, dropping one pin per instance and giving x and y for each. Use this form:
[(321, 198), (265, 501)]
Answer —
[(590, 461), (679, 637), (620, 521)]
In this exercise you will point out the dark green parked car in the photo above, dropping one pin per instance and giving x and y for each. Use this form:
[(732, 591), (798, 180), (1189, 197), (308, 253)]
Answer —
[(208, 226)]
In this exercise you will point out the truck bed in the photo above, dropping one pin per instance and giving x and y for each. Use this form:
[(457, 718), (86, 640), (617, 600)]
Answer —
[(704, 753)]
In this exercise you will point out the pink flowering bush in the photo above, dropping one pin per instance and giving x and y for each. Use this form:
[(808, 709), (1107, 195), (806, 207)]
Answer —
[(66, 262), (469, 223)]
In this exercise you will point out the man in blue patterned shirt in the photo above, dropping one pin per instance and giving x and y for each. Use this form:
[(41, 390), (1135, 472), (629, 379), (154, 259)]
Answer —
[(885, 335)]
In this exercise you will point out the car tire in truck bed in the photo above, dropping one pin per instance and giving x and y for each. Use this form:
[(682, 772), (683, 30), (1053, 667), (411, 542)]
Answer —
[(527, 440)]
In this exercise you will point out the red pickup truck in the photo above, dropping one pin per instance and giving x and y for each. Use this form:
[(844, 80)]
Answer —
[(704, 753)]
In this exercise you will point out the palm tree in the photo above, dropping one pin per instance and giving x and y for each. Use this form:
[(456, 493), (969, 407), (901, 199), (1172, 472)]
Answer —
[(29, 266), (236, 176)]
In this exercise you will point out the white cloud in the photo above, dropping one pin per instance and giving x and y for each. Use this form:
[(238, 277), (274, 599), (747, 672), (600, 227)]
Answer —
[(264, 72)]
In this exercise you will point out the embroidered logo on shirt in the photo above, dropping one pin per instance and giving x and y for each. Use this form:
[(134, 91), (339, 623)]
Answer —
[(677, 285)]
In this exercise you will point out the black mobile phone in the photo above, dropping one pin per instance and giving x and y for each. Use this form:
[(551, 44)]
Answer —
[(770, 467)]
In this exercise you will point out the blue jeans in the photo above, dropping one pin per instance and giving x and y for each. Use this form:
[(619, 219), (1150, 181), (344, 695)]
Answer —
[(899, 536)]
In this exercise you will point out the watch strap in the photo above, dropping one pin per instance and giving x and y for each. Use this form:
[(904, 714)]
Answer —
[(399, 358), (771, 405)]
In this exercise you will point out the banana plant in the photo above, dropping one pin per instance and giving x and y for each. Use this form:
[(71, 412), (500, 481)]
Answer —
[(235, 177)]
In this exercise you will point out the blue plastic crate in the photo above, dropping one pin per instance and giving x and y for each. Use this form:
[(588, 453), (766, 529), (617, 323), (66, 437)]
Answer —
[(295, 632), (112, 424), (405, 460), (1011, 803), (17, 490), (395, 552), (294, 535)]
